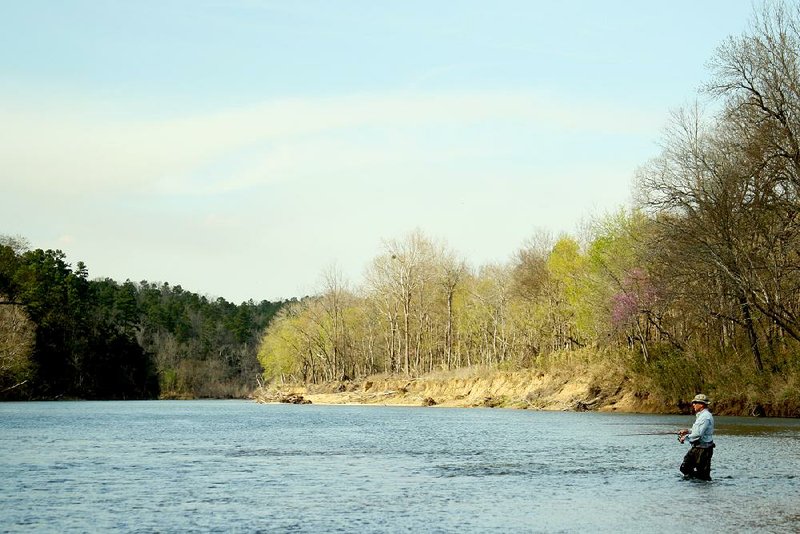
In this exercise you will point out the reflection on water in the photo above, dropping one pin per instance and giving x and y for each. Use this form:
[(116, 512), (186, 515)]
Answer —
[(238, 466), (738, 426)]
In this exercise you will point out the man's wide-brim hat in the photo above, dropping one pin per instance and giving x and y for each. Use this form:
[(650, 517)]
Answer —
[(702, 399)]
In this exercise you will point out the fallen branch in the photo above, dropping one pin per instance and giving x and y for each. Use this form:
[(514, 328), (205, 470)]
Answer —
[(16, 385)]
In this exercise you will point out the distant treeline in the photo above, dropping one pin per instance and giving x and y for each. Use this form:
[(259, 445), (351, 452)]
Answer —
[(696, 288), (63, 335)]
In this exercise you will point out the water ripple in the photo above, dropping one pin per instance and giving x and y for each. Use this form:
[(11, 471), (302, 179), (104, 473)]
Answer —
[(221, 466)]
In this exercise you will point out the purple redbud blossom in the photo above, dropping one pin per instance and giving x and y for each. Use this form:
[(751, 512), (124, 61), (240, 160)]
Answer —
[(637, 294)]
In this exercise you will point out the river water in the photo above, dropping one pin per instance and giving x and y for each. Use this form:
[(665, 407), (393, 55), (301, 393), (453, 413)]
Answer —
[(237, 466)]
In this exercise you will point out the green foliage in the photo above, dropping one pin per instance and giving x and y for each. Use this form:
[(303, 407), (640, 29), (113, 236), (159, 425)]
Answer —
[(280, 354), (67, 336), (201, 347), (670, 374), (77, 351)]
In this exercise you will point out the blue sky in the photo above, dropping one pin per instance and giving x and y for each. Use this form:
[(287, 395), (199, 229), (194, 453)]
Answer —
[(240, 148)]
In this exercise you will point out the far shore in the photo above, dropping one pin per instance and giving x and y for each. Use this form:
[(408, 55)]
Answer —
[(579, 388), (523, 389)]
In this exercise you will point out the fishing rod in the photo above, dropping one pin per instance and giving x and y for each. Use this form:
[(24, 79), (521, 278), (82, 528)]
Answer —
[(662, 433)]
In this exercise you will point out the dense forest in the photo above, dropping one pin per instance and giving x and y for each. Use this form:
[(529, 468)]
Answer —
[(63, 335), (695, 287)]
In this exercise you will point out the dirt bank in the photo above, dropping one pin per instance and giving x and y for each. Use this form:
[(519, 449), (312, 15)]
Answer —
[(579, 390)]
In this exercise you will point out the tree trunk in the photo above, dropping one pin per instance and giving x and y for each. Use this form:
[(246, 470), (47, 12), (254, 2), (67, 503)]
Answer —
[(751, 333), (449, 332)]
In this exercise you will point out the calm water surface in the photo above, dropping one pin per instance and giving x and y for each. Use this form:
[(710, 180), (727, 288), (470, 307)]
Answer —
[(235, 466)]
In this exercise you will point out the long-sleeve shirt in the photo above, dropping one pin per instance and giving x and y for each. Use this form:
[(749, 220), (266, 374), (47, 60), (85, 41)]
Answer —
[(702, 433)]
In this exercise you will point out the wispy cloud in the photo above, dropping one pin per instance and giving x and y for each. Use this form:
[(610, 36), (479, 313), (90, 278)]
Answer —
[(75, 147)]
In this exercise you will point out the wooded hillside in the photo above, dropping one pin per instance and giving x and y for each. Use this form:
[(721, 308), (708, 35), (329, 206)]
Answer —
[(696, 287), (63, 335)]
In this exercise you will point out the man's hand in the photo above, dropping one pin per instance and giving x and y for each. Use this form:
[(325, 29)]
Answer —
[(682, 433)]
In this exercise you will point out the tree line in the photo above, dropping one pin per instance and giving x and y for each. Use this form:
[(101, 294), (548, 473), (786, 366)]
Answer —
[(63, 335), (696, 286)]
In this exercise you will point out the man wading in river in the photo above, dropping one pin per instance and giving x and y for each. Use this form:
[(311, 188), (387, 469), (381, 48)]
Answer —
[(697, 462)]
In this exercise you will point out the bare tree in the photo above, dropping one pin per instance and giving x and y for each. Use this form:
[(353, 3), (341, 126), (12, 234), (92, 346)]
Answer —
[(452, 272), (17, 334), (529, 265), (758, 77), (407, 268)]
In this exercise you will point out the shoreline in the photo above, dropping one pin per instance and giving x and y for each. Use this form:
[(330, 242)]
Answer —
[(578, 387), (479, 388)]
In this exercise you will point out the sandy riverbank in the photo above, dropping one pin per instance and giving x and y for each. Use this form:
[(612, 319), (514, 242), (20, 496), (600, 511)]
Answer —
[(579, 390)]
